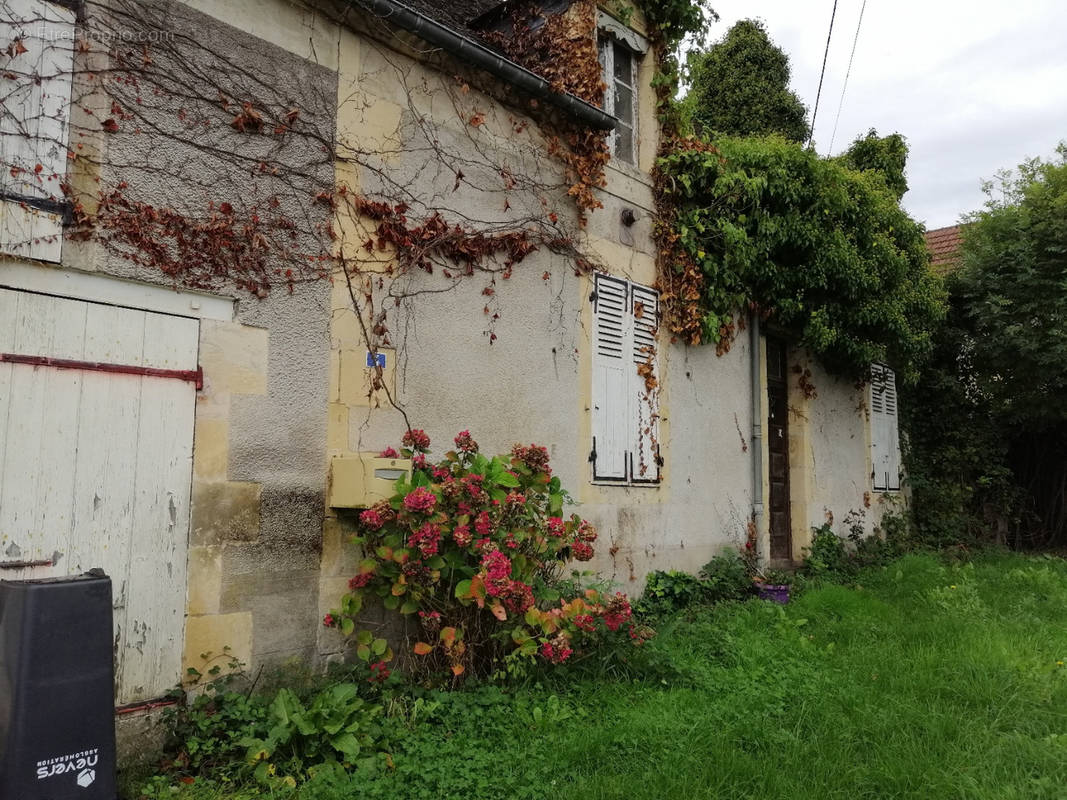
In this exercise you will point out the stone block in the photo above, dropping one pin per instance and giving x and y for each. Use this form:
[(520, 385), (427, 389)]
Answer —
[(211, 449), (356, 377), (234, 357), (217, 640), (224, 512), (339, 556), (205, 580)]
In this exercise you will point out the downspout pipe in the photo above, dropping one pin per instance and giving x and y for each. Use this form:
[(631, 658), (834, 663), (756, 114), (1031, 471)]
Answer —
[(757, 420), (478, 55)]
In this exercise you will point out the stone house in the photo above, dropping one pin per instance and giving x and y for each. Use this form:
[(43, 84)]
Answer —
[(187, 228)]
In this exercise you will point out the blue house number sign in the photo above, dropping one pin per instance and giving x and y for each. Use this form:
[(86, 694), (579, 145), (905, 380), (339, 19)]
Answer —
[(375, 359)]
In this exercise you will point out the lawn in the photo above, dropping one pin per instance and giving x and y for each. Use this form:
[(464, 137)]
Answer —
[(925, 680)]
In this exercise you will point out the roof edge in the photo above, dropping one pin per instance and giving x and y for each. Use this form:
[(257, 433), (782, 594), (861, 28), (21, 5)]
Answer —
[(463, 47)]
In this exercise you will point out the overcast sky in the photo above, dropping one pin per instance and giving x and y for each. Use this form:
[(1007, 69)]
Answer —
[(974, 86)]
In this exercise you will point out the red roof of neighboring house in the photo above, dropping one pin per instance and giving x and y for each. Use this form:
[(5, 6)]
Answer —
[(944, 244)]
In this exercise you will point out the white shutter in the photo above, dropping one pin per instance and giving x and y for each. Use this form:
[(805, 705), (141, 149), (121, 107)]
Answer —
[(34, 124), (611, 367), (644, 392), (885, 435)]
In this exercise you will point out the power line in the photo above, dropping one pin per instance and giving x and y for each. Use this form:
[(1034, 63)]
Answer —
[(844, 86), (822, 72)]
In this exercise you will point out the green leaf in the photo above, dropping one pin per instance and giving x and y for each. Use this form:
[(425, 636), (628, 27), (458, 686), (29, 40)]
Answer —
[(507, 479), (463, 590), (347, 626), (391, 602), (345, 743), (364, 637), (379, 647)]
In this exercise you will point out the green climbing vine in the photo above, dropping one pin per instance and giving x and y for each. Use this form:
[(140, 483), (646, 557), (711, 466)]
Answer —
[(822, 250)]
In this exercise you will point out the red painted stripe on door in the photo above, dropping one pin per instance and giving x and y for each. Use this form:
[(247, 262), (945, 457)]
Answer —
[(190, 375)]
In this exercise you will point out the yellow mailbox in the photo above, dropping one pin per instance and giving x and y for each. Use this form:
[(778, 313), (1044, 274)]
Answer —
[(360, 480)]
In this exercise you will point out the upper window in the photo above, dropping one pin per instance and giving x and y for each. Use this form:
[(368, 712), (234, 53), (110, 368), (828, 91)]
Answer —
[(36, 56), (885, 430), (625, 382), (619, 63)]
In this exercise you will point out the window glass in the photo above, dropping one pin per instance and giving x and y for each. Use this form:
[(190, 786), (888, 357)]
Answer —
[(624, 65)]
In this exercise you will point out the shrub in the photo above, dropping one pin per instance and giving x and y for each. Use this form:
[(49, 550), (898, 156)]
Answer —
[(278, 739), (726, 577), (827, 556), (670, 590), (329, 733), (473, 548)]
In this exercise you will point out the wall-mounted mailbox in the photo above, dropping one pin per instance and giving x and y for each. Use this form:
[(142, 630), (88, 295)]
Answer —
[(362, 479)]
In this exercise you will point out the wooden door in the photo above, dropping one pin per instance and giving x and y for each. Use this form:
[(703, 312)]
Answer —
[(96, 444), (778, 450)]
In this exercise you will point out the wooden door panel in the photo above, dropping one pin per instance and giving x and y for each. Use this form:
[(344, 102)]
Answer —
[(778, 450), (95, 467)]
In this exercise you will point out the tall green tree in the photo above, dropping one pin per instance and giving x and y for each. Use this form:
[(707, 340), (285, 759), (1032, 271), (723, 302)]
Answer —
[(885, 155), (989, 429), (1013, 291), (740, 87)]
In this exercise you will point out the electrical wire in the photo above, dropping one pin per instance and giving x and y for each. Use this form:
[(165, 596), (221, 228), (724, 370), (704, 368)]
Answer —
[(848, 72), (822, 72)]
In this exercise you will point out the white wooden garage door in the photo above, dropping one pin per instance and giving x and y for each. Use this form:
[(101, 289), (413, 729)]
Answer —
[(95, 464)]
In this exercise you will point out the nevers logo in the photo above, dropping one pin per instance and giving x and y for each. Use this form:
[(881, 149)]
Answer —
[(81, 763)]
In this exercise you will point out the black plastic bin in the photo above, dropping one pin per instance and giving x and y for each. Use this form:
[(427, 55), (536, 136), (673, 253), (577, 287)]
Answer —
[(57, 711)]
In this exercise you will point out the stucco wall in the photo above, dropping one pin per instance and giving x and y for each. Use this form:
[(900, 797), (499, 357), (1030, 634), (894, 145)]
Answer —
[(260, 432), (830, 455)]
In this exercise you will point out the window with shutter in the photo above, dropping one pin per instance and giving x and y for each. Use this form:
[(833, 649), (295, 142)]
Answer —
[(625, 382), (885, 432), (644, 458), (37, 59)]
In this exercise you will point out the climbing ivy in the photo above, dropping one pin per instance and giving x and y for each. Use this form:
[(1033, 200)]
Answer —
[(819, 249)]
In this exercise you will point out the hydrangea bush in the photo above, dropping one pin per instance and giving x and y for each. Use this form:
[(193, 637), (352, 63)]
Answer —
[(473, 548)]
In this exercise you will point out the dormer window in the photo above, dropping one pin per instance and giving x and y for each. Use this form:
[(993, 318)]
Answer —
[(619, 73)]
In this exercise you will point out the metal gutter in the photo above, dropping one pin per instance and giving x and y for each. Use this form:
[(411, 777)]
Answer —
[(477, 54)]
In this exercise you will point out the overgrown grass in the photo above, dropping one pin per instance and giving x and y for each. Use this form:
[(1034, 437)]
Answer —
[(926, 680)]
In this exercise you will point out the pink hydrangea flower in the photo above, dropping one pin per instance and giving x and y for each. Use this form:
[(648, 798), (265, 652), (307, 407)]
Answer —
[(586, 531), (465, 443), (497, 565), (416, 439), (422, 500), (585, 622), (361, 580), (519, 597), (389, 452), (617, 612), (462, 535), (557, 651), (555, 527), (372, 518), (426, 539), (583, 551)]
